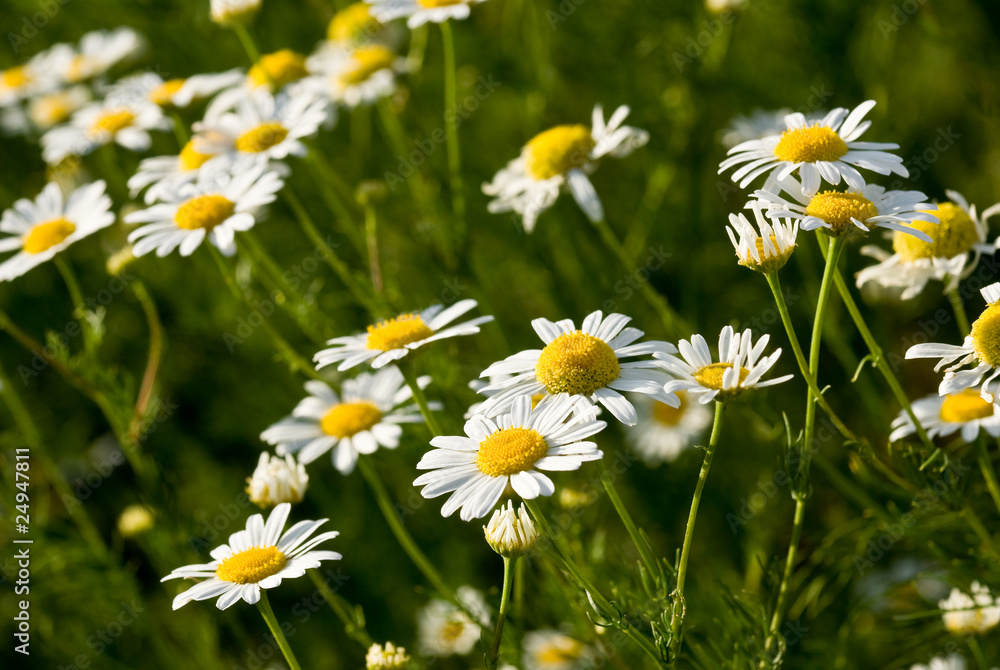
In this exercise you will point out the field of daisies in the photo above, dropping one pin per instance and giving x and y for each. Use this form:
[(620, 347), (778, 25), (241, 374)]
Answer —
[(499, 334)]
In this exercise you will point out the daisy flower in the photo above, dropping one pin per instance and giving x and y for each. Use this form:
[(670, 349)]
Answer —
[(96, 53), (231, 12), (760, 123), (826, 149), (853, 212), (740, 366), (44, 111), (263, 125), (353, 26), (945, 415), (583, 362), (550, 649), (981, 349), (23, 82), (663, 432), (277, 480), (559, 158), (967, 615), (443, 629), (419, 12), (217, 206), (952, 662), (273, 73), (164, 175), (957, 242), (256, 558), (39, 229), (770, 250), (361, 76), (389, 657), (119, 120), (510, 450), (365, 416), (173, 93), (390, 340)]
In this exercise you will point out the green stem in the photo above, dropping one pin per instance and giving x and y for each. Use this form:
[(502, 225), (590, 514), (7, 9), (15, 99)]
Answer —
[(400, 144), (333, 192), (786, 577), (355, 629), (248, 44), (371, 235), (976, 524), (410, 375), (152, 360), (272, 623), (418, 45), (679, 606), (959, 308), (180, 132), (76, 295), (502, 617), (260, 255), (986, 465), (651, 563), (451, 127)]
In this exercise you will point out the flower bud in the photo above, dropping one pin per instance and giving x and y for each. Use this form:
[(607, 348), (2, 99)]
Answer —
[(277, 480), (511, 535)]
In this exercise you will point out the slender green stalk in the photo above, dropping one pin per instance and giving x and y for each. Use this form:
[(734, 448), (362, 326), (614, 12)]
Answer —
[(76, 295), (335, 195), (272, 623), (371, 235), (260, 255), (180, 132), (959, 308), (152, 360), (986, 465), (410, 375), (786, 577), (418, 45), (451, 127), (400, 145), (248, 44), (355, 629), (977, 653), (680, 607), (508, 563), (650, 561), (977, 526)]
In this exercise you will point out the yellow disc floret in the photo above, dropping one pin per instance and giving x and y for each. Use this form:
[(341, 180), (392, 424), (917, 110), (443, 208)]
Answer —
[(966, 405), (810, 145), (190, 159), (279, 69), (441, 3), (261, 138), (351, 23), (112, 121), (986, 335), (350, 418), (163, 95), (509, 451), (15, 77), (558, 150), (397, 332), (667, 415), (953, 235), (48, 110), (204, 211), (840, 209), (367, 61), (576, 363), (251, 565), (710, 377), (46, 235)]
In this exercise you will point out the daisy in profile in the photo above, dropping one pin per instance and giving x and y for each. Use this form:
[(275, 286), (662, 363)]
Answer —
[(768, 251), (259, 557), (119, 120), (957, 242), (419, 12), (96, 53), (172, 93), (443, 629), (827, 149), (263, 126), (944, 415), (739, 369), (365, 416), (851, 213), (216, 206), (663, 432), (45, 111), (39, 229), (558, 159), (390, 340), (361, 76), (513, 449), (277, 480), (981, 350), (163, 175), (550, 649), (967, 615), (583, 362)]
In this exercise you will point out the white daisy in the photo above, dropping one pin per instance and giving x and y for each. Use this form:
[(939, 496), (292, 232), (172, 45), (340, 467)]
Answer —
[(942, 416), (184, 92), (770, 250), (981, 349), (353, 26), (256, 558), (957, 242), (389, 657), (550, 649), (361, 76), (365, 416), (96, 53), (663, 432), (23, 82), (443, 629), (274, 73), (825, 149), (559, 158), (124, 122), (277, 480), (419, 12), (967, 615), (230, 12), (740, 366), (510, 450), (390, 340), (163, 175), (39, 229), (44, 111), (217, 206), (853, 212), (952, 662), (583, 362)]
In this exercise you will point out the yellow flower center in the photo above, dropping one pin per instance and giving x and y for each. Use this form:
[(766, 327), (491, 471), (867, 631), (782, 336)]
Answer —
[(190, 159), (452, 630), (46, 235), (49, 110), (566, 651), (964, 406), (986, 335), (351, 23), (261, 138), (77, 69), (838, 209), (350, 418), (576, 363), (667, 415), (279, 69), (163, 94), (204, 211), (112, 121), (809, 145), (367, 61), (15, 77), (509, 451), (251, 565), (397, 332), (954, 235), (710, 376), (558, 150), (440, 3)]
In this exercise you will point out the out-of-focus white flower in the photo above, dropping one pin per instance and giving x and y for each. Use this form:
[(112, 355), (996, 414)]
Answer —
[(277, 480)]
